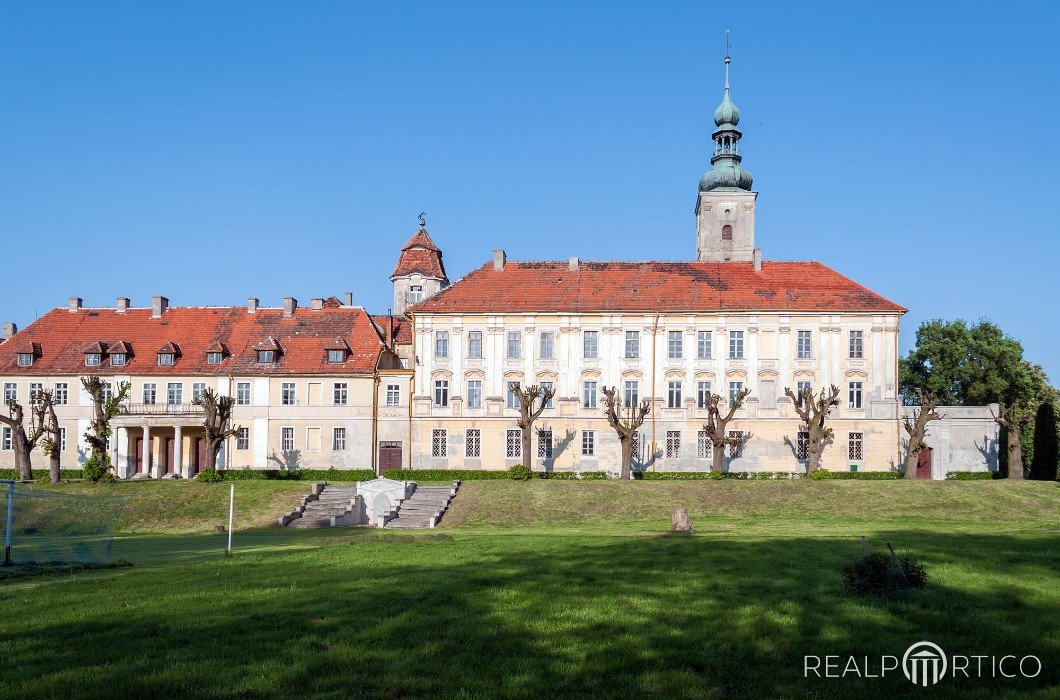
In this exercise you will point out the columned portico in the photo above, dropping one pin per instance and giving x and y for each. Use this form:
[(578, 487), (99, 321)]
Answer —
[(178, 443)]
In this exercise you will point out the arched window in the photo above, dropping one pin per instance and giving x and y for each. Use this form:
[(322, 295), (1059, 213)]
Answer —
[(726, 232)]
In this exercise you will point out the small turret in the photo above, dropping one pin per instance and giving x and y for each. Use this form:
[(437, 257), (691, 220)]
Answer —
[(419, 273)]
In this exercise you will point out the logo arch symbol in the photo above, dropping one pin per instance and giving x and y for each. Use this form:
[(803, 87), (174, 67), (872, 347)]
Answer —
[(924, 664)]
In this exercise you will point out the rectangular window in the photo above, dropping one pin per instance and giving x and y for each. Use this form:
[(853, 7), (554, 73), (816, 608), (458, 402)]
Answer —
[(588, 443), (631, 396), (703, 390), (544, 444), (5, 441), (336, 357), (511, 399), (632, 344), (673, 395), (117, 359), (415, 293), (243, 439), (548, 345), (804, 345), (704, 345), (803, 385), (25, 359), (736, 444), (287, 394), (735, 345), (197, 390), (35, 388), (674, 344), (854, 446), (266, 356), (212, 358), (474, 345), (802, 444), (62, 393), (441, 392), (474, 393), (338, 439), (10, 392), (515, 345), (857, 345), (704, 446), (439, 443), (93, 359), (854, 398), (243, 393), (286, 439), (441, 344), (551, 386), (106, 392), (590, 344), (166, 358), (62, 439), (513, 444), (341, 393), (473, 443), (393, 394), (734, 390), (673, 444), (174, 393), (589, 395), (150, 391)]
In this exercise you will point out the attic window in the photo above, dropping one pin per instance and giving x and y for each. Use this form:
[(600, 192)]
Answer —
[(266, 357), (214, 358), (336, 357), (117, 359), (167, 358), (25, 359), (93, 359)]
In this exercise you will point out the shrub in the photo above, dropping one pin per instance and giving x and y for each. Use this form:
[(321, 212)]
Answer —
[(969, 476), (555, 476), (43, 476), (446, 474), (882, 574), (700, 476), (825, 475), (519, 472), (97, 469), (592, 476), (331, 474), (209, 476)]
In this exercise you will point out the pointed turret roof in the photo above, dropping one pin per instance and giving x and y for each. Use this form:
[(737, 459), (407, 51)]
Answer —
[(420, 256), (726, 173)]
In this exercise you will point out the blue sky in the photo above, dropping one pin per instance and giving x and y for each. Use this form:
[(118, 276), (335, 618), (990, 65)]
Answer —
[(211, 151)]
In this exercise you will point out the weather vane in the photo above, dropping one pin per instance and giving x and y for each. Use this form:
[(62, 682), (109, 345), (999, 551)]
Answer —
[(727, 46), (423, 222)]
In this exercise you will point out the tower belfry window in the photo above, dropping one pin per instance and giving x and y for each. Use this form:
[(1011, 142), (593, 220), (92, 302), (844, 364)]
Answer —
[(726, 232)]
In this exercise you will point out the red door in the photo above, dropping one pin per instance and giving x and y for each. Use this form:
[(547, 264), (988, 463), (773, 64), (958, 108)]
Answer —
[(923, 463), (139, 455), (389, 456), (167, 468)]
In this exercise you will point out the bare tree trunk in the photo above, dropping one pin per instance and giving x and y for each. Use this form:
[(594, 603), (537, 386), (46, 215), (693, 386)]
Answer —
[(627, 457), (528, 458), (23, 454), (1015, 451), (717, 458)]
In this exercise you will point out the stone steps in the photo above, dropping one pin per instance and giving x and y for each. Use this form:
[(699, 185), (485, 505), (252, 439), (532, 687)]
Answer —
[(317, 509), (424, 508)]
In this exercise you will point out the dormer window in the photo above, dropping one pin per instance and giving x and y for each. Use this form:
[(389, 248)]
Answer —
[(268, 350), (266, 356), (214, 358), (117, 359), (93, 359), (338, 351), (119, 353), (25, 359), (166, 358), (336, 357)]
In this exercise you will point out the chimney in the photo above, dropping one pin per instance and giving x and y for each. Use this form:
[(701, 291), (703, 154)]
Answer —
[(158, 306), (572, 264), (349, 298), (9, 330), (317, 304), (289, 305), (122, 304), (756, 259), (390, 325), (74, 304), (498, 259), (252, 305)]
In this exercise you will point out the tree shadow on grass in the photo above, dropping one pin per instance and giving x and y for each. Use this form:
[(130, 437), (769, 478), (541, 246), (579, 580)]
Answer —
[(530, 615)]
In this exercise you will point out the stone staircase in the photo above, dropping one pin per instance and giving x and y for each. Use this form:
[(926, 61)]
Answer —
[(424, 508), (326, 506)]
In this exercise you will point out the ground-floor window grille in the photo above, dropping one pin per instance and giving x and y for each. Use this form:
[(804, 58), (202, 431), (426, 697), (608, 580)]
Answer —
[(243, 439), (286, 439), (514, 444), (439, 443), (736, 444), (673, 444), (544, 444), (588, 443), (854, 446), (802, 445), (637, 454), (473, 443), (704, 446), (338, 439)]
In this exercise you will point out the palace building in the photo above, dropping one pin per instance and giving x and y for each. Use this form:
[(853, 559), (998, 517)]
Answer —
[(430, 385)]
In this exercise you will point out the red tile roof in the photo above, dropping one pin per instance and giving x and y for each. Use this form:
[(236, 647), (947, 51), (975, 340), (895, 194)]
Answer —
[(402, 328), (420, 256), (61, 337), (654, 286)]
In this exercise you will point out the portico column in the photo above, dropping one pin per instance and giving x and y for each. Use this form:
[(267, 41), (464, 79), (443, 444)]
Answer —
[(145, 455), (121, 453), (178, 462)]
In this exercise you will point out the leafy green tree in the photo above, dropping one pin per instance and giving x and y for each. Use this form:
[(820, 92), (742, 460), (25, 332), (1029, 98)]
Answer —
[(1043, 463)]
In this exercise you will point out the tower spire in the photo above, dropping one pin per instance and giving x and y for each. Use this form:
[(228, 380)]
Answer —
[(726, 173)]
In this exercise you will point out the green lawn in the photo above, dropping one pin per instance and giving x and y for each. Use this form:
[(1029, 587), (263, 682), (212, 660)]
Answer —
[(551, 588)]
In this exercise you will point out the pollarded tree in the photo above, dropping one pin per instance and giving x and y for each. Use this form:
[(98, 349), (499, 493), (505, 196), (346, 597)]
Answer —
[(105, 406), (1014, 419), (43, 406), (217, 421), (717, 426), (22, 441), (625, 427), (529, 411), (917, 429), (813, 410)]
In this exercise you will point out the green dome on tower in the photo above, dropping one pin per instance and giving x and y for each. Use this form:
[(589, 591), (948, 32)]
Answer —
[(726, 173)]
